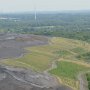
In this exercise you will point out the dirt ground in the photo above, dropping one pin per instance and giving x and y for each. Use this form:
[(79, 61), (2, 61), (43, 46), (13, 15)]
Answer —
[(22, 79), (12, 46)]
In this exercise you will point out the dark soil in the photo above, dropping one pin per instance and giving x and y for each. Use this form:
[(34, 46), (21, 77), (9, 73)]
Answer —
[(9, 81), (12, 45)]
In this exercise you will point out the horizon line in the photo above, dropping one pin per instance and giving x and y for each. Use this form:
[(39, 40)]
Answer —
[(46, 11)]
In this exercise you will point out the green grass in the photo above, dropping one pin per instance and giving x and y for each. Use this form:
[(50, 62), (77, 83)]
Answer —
[(63, 53), (39, 61), (78, 50), (67, 72), (84, 56), (34, 60), (68, 69)]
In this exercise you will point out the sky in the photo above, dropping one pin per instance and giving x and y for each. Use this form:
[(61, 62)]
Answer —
[(43, 5)]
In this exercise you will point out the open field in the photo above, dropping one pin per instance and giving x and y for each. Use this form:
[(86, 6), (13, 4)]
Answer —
[(68, 72), (65, 51), (68, 69), (85, 56), (33, 60), (25, 79)]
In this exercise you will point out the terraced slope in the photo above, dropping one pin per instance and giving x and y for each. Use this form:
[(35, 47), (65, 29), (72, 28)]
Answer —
[(70, 54)]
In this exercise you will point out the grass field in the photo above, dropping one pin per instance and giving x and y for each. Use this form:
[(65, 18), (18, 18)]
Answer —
[(85, 56), (34, 60), (79, 50), (68, 69), (68, 72)]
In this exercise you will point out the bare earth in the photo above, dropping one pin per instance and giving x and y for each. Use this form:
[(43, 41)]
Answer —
[(11, 46), (22, 79)]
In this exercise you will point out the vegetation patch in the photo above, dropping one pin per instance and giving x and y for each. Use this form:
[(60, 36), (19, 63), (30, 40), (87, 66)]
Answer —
[(33, 60), (63, 53), (88, 79), (69, 51), (78, 50), (68, 69), (68, 72), (68, 25), (85, 56), (41, 57)]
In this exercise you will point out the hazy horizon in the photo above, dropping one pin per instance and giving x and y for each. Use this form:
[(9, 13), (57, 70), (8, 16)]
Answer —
[(13, 6)]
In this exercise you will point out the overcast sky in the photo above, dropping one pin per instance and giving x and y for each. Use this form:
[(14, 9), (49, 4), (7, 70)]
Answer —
[(43, 5)]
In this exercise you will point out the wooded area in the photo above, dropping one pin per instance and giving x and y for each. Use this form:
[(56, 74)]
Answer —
[(69, 25)]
